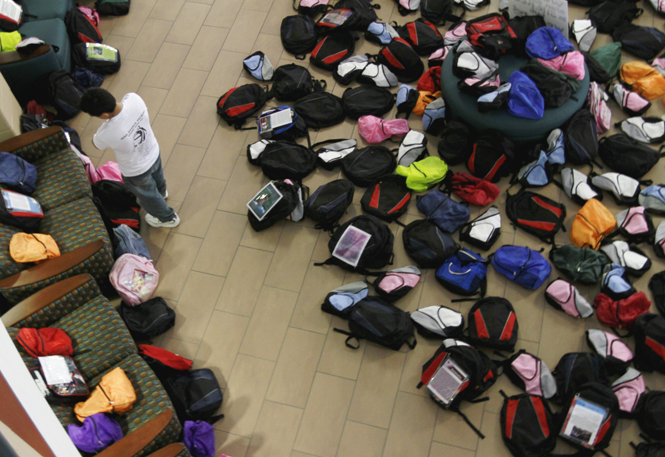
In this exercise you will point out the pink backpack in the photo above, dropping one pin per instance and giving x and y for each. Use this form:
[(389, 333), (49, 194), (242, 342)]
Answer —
[(635, 224), (597, 100), (437, 57), (531, 374), (628, 389), (134, 277), (565, 297), (91, 14), (631, 102), (613, 349), (455, 33), (570, 63), (109, 171), (374, 130)]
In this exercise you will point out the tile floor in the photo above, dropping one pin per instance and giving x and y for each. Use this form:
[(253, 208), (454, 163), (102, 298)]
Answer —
[(248, 303)]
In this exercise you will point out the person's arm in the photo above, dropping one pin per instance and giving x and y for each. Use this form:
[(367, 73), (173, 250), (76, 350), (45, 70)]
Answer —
[(98, 143)]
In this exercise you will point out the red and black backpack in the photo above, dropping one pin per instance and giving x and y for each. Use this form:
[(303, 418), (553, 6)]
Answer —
[(536, 214), (82, 27), (332, 49), (493, 324), (387, 199), (491, 33), (491, 156), (649, 331), (527, 425), (240, 103), (422, 35), (402, 60)]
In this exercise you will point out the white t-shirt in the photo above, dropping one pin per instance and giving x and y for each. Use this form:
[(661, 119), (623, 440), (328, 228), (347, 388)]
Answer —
[(130, 136)]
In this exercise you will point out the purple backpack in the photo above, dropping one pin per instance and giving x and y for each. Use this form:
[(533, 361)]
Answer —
[(199, 438), (98, 432)]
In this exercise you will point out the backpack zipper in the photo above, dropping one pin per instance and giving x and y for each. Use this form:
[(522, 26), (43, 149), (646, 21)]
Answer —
[(517, 273), (590, 224), (96, 432), (553, 42)]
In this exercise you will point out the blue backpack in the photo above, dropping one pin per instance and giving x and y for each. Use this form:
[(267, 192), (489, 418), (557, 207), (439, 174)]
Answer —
[(17, 174), (522, 265), (434, 117), (443, 211), (547, 43), (127, 241), (537, 173), (524, 98), (406, 100), (465, 273)]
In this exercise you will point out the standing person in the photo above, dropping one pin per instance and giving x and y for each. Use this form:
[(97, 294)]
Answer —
[(127, 131)]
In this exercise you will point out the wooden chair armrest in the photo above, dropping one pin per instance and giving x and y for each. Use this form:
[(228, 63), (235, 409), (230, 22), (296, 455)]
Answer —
[(15, 56), (43, 298), (172, 450), (51, 267), (26, 139), (135, 441)]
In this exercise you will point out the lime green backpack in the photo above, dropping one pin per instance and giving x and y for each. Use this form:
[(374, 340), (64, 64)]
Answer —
[(422, 174), (609, 56), (9, 40)]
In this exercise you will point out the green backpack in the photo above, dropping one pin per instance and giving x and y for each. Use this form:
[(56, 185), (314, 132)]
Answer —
[(609, 56), (424, 173), (579, 264)]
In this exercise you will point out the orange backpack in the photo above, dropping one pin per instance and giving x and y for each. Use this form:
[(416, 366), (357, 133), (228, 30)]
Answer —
[(114, 394), (593, 222), (32, 247), (643, 79), (424, 99)]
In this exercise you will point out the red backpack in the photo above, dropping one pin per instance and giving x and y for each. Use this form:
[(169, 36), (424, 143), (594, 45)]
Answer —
[(167, 358), (474, 190), (45, 341), (621, 314), (491, 33)]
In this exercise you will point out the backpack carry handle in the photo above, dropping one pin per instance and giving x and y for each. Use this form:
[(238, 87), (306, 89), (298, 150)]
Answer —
[(321, 143)]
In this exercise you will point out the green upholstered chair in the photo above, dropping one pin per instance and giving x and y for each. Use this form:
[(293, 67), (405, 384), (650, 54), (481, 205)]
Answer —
[(38, 10)]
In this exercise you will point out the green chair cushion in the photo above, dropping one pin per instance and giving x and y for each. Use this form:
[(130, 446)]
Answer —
[(61, 179), (53, 32), (7, 265), (46, 9)]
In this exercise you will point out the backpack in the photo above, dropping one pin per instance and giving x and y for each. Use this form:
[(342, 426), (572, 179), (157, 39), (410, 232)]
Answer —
[(659, 241), (622, 153), (609, 15), (406, 100), (402, 60), (554, 147), (199, 438), (364, 166), (635, 224), (578, 186), (628, 389), (653, 199), (367, 100), (32, 247), (427, 245), (473, 190), (405, 7), (491, 156), (337, 19), (524, 26), (608, 57), (492, 33), (127, 241), (584, 31), (26, 222), (424, 173), (464, 273), (241, 103), (592, 223), (17, 174), (149, 319), (364, 11), (113, 394), (258, 65), (644, 42), (434, 117), (521, 265), (286, 160), (112, 7), (375, 130), (331, 155), (291, 82), (493, 324), (527, 425), (87, 78), (484, 230), (98, 432), (555, 87), (96, 57), (570, 64), (649, 413), (298, 35), (580, 264), (455, 145), (437, 322), (596, 102), (422, 35), (620, 314), (565, 297), (65, 94), (134, 278), (395, 284), (475, 69), (495, 99), (445, 212), (376, 253), (380, 33), (388, 198), (46, 341), (610, 347), (163, 362), (124, 210), (576, 369), (333, 49), (530, 374), (377, 75), (536, 214), (340, 301), (195, 395), (439, 11), (649, 332), (374, 320), (320, 109), (649, 448), (596, 71), (292, 197), (643, 79), (412, 148), (329, 203), (82, 25), (296, 128), (625, 189), (581, 137), (644, 129), (537, 173), (311, 7), (615, 283), (547, 43), (657, 288), (437, 57)]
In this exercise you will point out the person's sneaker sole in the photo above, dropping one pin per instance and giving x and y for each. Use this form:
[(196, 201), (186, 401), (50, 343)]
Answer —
[(154, 222)]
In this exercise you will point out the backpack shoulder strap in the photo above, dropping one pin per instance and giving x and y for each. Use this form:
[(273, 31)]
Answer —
[(351, 336)]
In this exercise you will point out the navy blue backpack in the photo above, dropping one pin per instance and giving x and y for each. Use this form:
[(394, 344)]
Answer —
[(17, 174), (524, 98), (465, 273), (547, 43), (445, 212), (522, 265), (127, 241)]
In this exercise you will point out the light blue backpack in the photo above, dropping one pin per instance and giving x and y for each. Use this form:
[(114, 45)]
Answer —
[(127, 241)]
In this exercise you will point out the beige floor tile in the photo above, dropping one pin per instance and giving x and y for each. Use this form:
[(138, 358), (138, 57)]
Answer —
[(278, 11), (337, 359), (292, 258), (121, 43), (201, 123), (411, 426), (265, 240), (295, 368), (220, 243), (230, 444), (376, 388), (319, 281), (244, 394), (182, 348), (106, 24), (131, 24), (153, 98), (269, 323), (275, 430), (443, 450), (195, 306), (243, 283), (451, 429), (167, 130), (493, 443), (360, 440), (199, 206), (222, 154), (149, 40), (188, 23), (174, 264), (223, 13), (413, 365), (561, 334), (184, 92), (301, 454), (324, 417), (224, 73), (167, 10), (245, 29), (129, 80), (219, 354), (166, 66), (529, 308), (181, 168), (245, 181), (206, 48), (257, 5)]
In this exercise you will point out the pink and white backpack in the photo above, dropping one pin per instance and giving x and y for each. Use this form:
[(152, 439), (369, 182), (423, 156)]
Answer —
[(91, 14), (635, 224), (134, 278), (631, 102), (659, 6), (565, 297), (628, 389), (437, 57), (395, 284), (375, 130), (597, 101), (571, 64), (530, 373), (456, 33), (613, 349)]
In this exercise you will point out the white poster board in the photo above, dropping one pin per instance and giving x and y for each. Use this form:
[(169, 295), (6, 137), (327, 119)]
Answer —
[(555, 12)]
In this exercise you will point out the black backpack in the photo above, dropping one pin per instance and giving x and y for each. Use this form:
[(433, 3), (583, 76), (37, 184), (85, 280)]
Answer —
[(80, 28), (649, 449), (402, 60), (336, 20), (650, 414), (611, 14), (298, 35), (332, 152), (581, 138), (364, 11), (374, 320), (427, 245), (106, 66), (492, 156), (523, 26), (282, 209), (644, 42), (320, 109), (455, 145), (367, 100), (65, 94), (493, 324), (422, 35), (439, 11), (555, 87), (582, 265), (576, 369), (112, 7), (596, 71), (332, 49), (364, 166), (657, 288), (627, 156), (195, 395), (536, 214), (527, 425), (117, 204), (387, 199), (241, 103), (329, 203), (286, 160), (649, 331), (149, 319), (291, 82)]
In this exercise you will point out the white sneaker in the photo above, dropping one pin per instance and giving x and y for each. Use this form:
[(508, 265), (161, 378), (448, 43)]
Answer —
[(166, 195), (154, 222)]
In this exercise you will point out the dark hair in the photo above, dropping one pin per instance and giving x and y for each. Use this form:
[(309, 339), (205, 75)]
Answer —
[(97, 101)]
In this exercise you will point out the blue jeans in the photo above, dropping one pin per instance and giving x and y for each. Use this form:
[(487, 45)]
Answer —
[(149, 188)]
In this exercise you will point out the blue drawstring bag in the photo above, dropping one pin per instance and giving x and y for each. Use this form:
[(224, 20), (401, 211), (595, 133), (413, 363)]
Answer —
[(17, 174), (87, 78), (98, 432), (434, 117), (127, 241), (522, 265), (443, 211), (536, 173), (406, 100), (259, 66), (615, 284), (556, 154), (524, 98), (465, 273), (380, 33), (547, 43)]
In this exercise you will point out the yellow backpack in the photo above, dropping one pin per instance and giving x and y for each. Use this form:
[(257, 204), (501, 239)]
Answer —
[(422, 174), (114, 394), (643, 79), (593, 222), (32, 247), (9, 40)]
